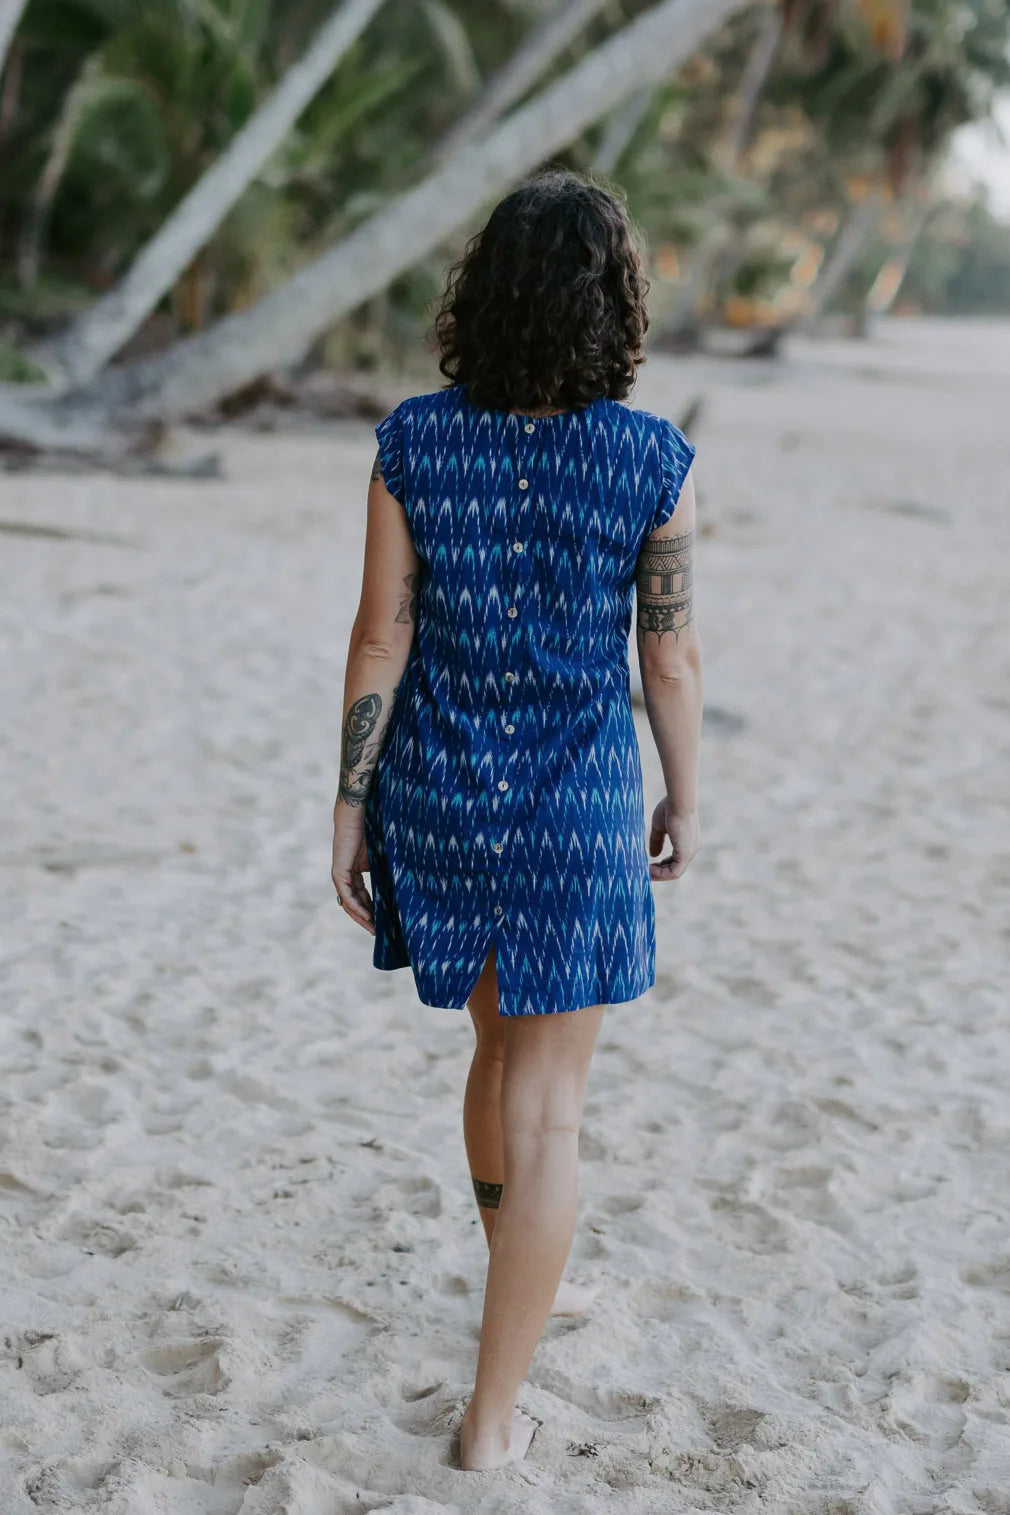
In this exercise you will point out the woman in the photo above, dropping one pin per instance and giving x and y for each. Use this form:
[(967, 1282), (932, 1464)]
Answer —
[(490, 775)]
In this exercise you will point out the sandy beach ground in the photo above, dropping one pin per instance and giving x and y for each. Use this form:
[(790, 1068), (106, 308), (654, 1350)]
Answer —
[(241, 1263)]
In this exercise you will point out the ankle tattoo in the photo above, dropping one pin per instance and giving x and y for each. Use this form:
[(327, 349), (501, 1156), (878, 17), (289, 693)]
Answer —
[(488, 1195)]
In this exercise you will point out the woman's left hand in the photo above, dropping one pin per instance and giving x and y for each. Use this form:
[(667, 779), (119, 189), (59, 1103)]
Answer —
[(350, 861)]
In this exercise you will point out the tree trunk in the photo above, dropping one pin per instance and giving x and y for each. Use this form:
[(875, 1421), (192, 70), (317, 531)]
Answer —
[(760, 62), (854, 236), (87, 345), (621, 128), (681, 330), (43, 426), (10, 88), (61, 145), (528, 63), (10, 15), (197, 372), (886, 287)]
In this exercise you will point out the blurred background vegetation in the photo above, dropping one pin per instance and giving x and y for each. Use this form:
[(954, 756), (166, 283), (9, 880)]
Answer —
[(789, 169)]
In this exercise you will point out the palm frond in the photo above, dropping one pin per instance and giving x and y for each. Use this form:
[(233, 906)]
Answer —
[(454, 43)]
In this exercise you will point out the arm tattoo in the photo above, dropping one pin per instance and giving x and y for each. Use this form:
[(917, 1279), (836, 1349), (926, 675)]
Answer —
[(377, 468), (408, 605), (360, 747), (664, 582)]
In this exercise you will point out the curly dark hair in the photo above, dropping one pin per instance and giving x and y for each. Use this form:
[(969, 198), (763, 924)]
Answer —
[(546, 308)]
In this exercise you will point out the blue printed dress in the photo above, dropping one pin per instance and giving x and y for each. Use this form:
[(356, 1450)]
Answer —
[(507, 806)]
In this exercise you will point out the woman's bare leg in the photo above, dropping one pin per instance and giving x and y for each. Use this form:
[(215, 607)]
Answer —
[(482, 1100), (482, 1122), (545, 1068)]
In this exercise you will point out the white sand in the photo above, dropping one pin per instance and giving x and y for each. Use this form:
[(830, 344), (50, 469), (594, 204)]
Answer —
[(243, 1266)]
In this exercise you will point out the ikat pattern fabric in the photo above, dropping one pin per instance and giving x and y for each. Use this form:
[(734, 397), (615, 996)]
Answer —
[(507, 806)]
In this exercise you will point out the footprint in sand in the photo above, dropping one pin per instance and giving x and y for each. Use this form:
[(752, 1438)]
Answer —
[(420, 1196), (93, 1236), (411, 1394), (748, 1225), (804, 1191), (435, 1413), (188, 1367), (621, 1204), (666, 1302), (49, 1361), (926, 1407), (601, 1403), (11, 1187), (987, 1275), (716, 1472), (731, 1426), (591, 1149)]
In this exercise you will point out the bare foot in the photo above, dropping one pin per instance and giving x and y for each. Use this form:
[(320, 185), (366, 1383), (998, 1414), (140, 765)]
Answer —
[(477, 1454), (572, 1299)]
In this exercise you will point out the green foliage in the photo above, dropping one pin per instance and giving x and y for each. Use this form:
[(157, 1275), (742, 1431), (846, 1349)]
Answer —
[(961, 263), (117, 107), (15, 368)]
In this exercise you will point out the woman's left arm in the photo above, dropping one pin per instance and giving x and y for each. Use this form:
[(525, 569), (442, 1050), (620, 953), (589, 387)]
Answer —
[(377, 655)]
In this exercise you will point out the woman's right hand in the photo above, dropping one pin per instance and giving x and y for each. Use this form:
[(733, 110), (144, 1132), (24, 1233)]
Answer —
[(684, 833)]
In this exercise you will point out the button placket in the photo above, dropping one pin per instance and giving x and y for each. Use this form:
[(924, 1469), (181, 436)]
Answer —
[(526, 461)]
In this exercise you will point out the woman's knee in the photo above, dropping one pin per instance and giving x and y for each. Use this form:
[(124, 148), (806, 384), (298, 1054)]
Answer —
[(546, 1067)]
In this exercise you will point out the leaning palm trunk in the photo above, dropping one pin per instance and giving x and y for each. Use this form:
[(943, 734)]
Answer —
[(61, 145), (620, 131), (853, 239), (10, 15), (887, 286), (760, 62), (527, 64), (87, 345), (41, 426), (681, 328), (200, 370)]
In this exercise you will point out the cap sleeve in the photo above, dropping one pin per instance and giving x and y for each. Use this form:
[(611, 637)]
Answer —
[(676, 456), (390, 437)]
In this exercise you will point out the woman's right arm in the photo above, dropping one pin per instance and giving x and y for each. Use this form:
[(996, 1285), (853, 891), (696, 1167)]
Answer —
[(669, 656)]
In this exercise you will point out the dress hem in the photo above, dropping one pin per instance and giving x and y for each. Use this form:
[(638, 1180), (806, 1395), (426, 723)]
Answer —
[(621, 999)]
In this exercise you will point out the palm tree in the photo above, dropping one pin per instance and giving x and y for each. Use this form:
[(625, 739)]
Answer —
[(617, 82), (897, 120), (101, 331), (528, 63), (681, 328), (200, 370), (810, 29), (855, 236)]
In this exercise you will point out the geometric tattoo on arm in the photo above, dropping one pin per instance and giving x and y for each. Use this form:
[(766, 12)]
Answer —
[(664, 583), (488, 1195), (377, 468)]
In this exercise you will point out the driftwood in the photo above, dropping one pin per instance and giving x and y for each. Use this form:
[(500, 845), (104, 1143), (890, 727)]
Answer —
[(726, 341), (38, 531), (126, 465)]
